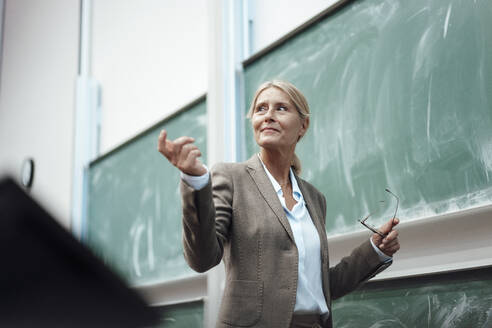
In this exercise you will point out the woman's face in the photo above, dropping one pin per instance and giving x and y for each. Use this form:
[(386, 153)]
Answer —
[(276, 122)]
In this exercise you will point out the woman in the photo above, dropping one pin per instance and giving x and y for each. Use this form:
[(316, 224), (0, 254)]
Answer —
[(267, 224)]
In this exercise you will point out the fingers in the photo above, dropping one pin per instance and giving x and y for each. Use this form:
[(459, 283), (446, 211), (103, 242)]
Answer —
[(390, 243), (172, 149), (385, 229), (161, 142), (188, 156), (177, 150), (388, 226), (182, 153), (390, 239), (164, 146), (390, 248), (181, 141), (190, 164)]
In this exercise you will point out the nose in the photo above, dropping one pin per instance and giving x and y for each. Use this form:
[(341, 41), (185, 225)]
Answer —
[(270, 114)]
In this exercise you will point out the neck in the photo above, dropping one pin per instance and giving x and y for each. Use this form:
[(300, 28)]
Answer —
[(278, 164)]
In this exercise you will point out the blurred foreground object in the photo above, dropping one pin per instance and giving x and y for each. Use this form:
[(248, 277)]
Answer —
[(49, 279)]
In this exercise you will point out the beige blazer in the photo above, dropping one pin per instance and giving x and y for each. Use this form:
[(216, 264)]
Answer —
[(238, 217)]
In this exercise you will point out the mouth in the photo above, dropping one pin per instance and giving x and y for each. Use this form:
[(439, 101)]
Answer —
[(269, 129)]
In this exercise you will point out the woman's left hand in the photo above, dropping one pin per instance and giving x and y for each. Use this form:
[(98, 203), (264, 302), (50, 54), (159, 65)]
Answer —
[(389, 245)]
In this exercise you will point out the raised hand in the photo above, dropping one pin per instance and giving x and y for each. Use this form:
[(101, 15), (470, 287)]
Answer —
[(389, 245), (181, 153)]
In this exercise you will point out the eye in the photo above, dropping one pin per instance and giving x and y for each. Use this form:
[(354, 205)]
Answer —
[(261, 108), (282, 108)]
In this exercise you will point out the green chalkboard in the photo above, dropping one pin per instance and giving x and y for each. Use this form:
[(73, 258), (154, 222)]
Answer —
[(401, 97), (451, 300), (134, 212), (186, 315)]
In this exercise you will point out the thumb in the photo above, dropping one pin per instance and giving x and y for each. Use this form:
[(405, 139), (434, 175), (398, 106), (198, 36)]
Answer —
[(388, 226)]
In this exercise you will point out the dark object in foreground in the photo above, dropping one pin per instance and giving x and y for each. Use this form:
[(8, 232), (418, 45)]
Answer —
[(49, 279)]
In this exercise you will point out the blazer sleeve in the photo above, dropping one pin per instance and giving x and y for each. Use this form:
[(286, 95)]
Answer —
[(353, 270), (207, 216), (361, 265)]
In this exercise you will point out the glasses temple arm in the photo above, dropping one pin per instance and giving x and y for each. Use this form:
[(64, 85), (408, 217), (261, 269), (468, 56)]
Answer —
[(371, 228), (397, 201)]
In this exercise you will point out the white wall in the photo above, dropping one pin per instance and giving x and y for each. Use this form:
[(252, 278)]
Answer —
[(150, 56), (151, 59), (274, 18), (40, 58)]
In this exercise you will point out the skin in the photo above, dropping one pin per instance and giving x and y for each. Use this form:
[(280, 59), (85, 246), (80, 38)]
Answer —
[(277, 127), (390, 244)]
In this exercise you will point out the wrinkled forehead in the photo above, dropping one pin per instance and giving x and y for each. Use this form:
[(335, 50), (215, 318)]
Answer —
[(274, 95)]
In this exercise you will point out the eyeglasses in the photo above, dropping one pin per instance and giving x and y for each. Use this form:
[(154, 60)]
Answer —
[(370, 227)]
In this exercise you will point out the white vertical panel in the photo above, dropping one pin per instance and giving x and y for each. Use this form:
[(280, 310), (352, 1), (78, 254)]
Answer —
[(150, 57), (228, 35), (39, 68), (216, 147)]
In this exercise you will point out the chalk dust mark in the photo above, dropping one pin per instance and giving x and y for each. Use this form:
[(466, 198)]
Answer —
[(457, 311), (345, 165), (150, 244), (418, 13), (145, 196), (136, 246), (429, 313), (446, 21), (488, 322), (384, 323), (486, 152), (429, 95), (150, 230), (423, 49)]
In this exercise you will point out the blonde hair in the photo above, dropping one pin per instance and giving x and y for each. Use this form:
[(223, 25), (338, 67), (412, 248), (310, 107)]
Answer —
[(295, 96)]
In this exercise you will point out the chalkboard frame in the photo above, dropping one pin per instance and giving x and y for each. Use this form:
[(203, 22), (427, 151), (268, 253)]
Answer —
[(478, 274), (130, 140), (331, 10)]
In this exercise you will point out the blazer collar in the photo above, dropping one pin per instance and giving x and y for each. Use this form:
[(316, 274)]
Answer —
[(259, 176)]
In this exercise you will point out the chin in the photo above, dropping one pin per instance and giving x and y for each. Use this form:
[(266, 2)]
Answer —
[(268, 144)]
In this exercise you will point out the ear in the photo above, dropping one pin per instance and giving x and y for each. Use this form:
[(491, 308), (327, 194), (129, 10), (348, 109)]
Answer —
[(304, 127)]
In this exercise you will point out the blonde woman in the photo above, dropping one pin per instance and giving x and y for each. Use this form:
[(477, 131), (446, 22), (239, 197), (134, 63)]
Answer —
[(268, 224)]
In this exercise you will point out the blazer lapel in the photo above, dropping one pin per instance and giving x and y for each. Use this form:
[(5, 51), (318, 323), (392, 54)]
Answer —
[(258, 174), (315, 217)]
